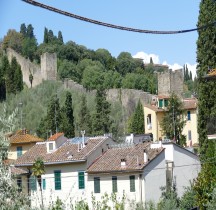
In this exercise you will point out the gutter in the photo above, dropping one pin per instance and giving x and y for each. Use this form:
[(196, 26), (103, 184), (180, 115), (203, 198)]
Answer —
[(52, 163)]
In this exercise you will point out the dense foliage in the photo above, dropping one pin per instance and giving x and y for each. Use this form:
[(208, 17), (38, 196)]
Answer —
[(173, 121)]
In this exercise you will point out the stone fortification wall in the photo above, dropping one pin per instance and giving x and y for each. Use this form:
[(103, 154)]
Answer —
[(47, 70), (49, 66), (128, 97), (170, 81), (27, 67)]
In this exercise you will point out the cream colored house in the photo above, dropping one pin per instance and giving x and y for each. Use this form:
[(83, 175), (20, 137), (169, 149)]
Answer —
[(134, 171), (65, 168), (20, 143), (155, 112)]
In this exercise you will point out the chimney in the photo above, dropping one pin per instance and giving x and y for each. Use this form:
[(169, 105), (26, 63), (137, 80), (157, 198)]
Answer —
[(123, 162), (145, 156)]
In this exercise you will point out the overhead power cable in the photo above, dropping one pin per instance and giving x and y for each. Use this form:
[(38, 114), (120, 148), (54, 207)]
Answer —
[(53, 9)]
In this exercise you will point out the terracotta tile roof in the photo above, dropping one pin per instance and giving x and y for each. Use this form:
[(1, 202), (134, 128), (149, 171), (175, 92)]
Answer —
[(68, 152), (110, 161), (17, 171), (55, 136), (163, 97), (23, 137), (154, 108), (190, 103)]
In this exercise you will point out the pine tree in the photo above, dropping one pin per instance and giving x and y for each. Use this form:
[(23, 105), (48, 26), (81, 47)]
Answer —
[(101, 121), (206, 57), (67, 112)]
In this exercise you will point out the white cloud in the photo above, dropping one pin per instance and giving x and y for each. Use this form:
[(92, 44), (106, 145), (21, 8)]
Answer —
[(146, 59)]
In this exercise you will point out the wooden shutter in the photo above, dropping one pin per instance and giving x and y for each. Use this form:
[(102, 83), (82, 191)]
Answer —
[(132, 183), (57, 175), (81, 180), (96, 184), (114, 184)]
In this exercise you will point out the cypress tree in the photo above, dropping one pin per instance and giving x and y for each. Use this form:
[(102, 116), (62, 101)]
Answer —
[(206, 57), (84, 117), (60, 37), (68, 118), (23, 29), (10, 76), (101, 121), (2, 86), (137, 121), (18, 79), (46, 39)]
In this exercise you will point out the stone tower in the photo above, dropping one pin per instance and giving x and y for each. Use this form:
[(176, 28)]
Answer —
[(49, 66), (171, 81)]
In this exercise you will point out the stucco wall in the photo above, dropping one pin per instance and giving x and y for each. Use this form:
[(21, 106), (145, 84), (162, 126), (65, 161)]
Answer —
[(12, 153)]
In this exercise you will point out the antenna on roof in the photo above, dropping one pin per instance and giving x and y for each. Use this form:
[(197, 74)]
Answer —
[(83, 138)]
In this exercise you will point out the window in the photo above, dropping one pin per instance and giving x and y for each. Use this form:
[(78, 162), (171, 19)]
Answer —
[(114, 184), (132, 183), (96, 184), (44, 184), (33, 183), (188, 115), (57, 177), (166, 103), (81, 180), (50, 146), (19, 151), (189, 135), (19, 183), (160, 103)]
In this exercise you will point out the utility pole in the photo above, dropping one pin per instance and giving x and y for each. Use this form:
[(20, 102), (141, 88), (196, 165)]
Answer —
[(21, 115), (174, 123)]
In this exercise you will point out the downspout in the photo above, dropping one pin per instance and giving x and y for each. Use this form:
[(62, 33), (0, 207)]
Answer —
[(140, 186)]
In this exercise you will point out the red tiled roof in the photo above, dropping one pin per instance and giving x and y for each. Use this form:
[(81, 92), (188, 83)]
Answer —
[(154, 108), (68, 152), (17, 171), (163, 97), (212, 72), (110, 161), (190, 103), (23, 137), (55, 136)]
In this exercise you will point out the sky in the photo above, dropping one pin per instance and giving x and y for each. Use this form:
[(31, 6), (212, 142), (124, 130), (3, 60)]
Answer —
[(173, 50)]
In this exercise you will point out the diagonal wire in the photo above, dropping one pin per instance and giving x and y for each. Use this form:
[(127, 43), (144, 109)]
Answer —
[(53, 9)]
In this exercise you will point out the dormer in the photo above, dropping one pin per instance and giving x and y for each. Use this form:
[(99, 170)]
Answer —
[(51, 146), (56, 140)]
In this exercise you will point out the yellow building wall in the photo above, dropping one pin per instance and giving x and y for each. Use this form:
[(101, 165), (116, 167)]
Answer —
[(192, 126), (156, 130), (12, 154)]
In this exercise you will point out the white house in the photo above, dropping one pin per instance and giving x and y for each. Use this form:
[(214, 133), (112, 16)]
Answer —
[(182, 165), (135, 171), (65, 168)]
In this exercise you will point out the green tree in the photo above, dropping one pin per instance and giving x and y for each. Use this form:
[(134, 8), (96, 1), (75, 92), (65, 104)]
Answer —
[(46, 39), (206, 57), (60, 37), (173, 121), (18, 79), (10, 77), (38, 169), (2, 82), (101, 119), (136, 124), (84, 117), (31, 78), (67, 112), (23, 29)]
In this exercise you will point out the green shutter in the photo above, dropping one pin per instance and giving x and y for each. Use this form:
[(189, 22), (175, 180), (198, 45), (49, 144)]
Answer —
[(132, 183), (165, 102), (81, 180), (33, 183), (57, 176), (44, 184), (19, 151), (160, 103), (96, 184), (114, 184)]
